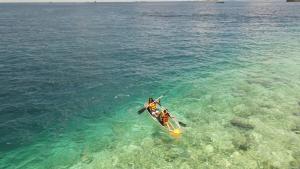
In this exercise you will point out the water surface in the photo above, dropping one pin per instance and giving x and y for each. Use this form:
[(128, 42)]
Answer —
[(73, 76)]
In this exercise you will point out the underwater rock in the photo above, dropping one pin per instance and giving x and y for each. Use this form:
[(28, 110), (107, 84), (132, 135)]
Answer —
[(241, 123), (296, 114), (131, 148), (206, 139), (270, 164), (209, 149), (115, 160), (241, 142), (180, 152), (296, 162), (256, 137), (172, 156), (176, 153), (242, 110), (185, 166), (235, 155), (211, 107), (86, 157), (147, 143), (296, 129), (224, 163)]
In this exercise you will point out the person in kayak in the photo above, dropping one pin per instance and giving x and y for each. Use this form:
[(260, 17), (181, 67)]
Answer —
[(152, 107), (164, 119)]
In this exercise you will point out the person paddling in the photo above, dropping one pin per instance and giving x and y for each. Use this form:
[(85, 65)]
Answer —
[(164, 119), (161, 116), (152, 107)]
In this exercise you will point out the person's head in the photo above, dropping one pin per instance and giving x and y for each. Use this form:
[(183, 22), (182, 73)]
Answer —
[(150, 100)]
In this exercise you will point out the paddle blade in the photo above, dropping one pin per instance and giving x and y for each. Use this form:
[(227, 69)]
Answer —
[(158, 102), (142, 110), (182, 124)]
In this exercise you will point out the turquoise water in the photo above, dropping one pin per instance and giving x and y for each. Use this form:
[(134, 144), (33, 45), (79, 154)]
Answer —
[(74, 75)]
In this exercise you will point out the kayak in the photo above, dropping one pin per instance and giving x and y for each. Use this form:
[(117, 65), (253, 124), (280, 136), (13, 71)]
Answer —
[(174, 130)]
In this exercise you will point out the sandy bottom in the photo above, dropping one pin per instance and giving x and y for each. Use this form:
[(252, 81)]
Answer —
[(238, 118)]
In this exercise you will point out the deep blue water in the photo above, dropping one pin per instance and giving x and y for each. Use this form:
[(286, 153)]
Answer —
[(64, 65)]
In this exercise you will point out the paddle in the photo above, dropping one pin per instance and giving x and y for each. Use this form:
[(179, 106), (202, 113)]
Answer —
[(142, 110), (179, 122), (145, 107), (182, 124)]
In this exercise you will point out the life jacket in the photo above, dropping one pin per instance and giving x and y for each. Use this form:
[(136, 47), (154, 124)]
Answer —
[(165, 118), (152, 106)]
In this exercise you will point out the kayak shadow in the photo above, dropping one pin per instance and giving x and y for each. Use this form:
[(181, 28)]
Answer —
[(161, 137), (157, 134)]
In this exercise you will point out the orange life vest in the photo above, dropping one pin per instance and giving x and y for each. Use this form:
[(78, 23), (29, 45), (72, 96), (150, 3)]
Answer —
[(165, 118), (152, 106)]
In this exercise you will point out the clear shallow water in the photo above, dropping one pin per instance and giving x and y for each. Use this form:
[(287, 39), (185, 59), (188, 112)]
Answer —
[(74, 75)]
